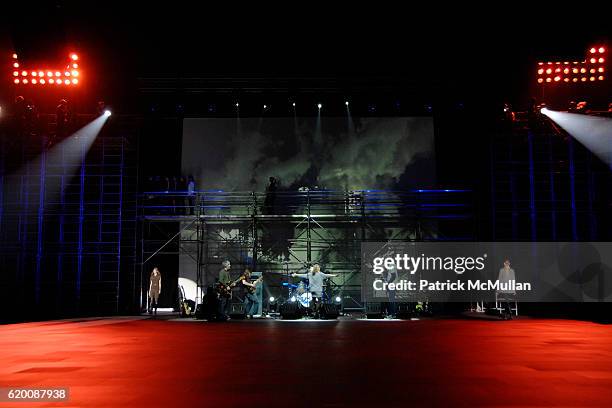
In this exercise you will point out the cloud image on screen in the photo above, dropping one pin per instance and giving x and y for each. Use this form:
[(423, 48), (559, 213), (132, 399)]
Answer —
[(335, 153)]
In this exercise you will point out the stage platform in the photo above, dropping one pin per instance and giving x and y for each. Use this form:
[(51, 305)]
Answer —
[(161, 362)]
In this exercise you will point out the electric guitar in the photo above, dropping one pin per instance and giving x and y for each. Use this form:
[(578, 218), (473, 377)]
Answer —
[(252, 289), (225, 289)]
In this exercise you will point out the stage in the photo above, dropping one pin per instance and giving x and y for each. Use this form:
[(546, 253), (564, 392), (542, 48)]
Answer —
[(162, 362)]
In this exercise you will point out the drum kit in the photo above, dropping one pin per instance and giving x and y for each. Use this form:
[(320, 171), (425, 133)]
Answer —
[(300, 293)]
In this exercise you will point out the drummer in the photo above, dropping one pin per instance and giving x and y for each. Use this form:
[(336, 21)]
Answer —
[(315, 283)]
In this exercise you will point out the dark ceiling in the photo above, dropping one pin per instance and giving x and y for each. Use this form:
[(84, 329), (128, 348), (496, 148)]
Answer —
[(147, 47)]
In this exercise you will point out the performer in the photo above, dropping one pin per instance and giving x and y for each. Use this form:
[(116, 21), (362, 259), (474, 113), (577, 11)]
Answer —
[(191, 196), (389, 276), (224, 279), (250, 299), (315, 283), (154, 290), (506, 274)]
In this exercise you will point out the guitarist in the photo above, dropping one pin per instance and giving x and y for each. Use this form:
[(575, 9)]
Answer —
[(250, 299), (224, 281)]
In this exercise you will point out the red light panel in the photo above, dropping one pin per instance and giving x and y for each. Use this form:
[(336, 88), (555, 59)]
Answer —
[(564, 75), (52, 76)]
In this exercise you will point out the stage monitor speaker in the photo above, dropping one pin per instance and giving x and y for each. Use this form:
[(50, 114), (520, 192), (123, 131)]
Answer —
[(199, 313), (404, 310), (237, 311), (374, 310), (330, 311), (290, 311)]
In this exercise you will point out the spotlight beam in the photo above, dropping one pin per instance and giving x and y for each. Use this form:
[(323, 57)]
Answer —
[(69, 154), (594, 132), (75, 146)]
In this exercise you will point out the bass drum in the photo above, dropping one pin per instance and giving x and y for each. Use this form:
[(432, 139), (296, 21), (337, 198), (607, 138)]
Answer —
[(301, 296), (304, 299)]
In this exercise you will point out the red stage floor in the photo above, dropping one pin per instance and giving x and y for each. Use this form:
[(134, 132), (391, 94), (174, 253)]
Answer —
[(148, 363)]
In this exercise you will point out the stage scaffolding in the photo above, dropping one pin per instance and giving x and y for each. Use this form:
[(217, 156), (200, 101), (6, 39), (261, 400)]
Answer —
[(546, 186), (68, 217), (283, 232)]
